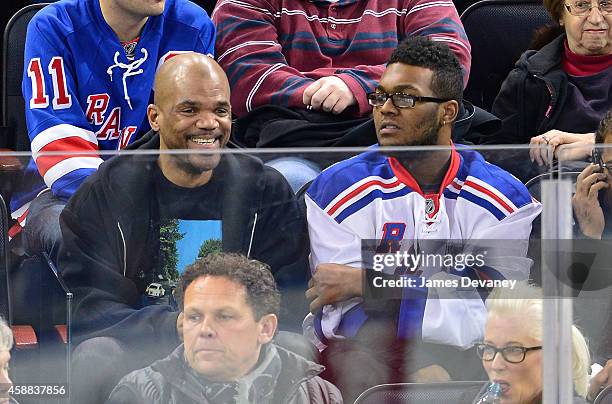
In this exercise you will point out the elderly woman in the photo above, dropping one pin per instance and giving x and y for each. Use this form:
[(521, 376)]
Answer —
[(511, 352), (558, 94), (6, 343)]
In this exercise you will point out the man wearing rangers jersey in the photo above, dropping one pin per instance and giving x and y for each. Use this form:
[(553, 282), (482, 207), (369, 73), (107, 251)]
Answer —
[(405, 201), (87, 82)]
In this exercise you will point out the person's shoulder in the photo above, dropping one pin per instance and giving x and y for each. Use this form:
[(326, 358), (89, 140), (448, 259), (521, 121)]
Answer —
[(251, 172), (492, 183), (579, 400), (322, 391), (363, 170), (187, 13), (142, 385), (246, 163), (314, 388), (543, 60), (62, 17)]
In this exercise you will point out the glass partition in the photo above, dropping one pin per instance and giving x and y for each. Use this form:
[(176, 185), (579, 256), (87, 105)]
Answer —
[(586, 270), (403, 265)]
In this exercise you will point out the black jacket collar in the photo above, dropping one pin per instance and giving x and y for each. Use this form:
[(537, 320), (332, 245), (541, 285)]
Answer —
[(546, 59)]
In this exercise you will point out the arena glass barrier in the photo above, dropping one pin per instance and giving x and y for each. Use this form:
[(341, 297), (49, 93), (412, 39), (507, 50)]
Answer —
[(584, 270), (433, 248)]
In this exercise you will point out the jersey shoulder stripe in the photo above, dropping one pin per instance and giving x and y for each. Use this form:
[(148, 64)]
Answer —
[(352, 184), (488, 186), (336, 179)]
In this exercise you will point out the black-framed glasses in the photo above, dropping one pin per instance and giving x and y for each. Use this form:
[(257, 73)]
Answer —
[(512, 353), (400, 100), (581, 8)]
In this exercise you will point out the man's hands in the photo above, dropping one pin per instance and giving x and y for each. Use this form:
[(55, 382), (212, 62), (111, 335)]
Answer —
[(587, 209), (332, 283), (600, 380), (329, 94), (581, 145)]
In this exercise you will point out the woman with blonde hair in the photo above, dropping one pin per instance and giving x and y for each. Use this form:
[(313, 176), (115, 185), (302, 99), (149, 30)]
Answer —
[(511, 352)]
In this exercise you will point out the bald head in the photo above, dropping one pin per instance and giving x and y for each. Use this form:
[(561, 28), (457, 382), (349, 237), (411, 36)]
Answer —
[(191, 111), (181, 70)]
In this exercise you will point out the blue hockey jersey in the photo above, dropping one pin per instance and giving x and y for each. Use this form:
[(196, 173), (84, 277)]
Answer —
[(83, 94), (373, 197)]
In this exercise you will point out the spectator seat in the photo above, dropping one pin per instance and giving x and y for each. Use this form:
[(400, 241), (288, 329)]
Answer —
[(422, 393), (499, 32)]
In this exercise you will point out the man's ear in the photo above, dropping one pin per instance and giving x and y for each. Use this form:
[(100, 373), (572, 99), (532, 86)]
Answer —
[(153, 116), (450, 111), (268, 325), (179, 326)]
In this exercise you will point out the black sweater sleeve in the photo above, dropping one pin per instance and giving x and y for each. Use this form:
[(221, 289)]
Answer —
[(91, 260), (281, 241)]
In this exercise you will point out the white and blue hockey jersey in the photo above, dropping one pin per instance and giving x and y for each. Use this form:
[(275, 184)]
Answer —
[(82, 92), (373, 197)]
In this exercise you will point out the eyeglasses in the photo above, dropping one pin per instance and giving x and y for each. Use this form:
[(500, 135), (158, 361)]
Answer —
[(512, 354), (400, 100), (581, 8)]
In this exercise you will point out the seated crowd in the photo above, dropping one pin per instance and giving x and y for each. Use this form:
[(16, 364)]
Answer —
[(277, 297)]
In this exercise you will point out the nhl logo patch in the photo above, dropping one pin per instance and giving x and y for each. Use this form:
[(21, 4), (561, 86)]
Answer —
[(429, 206)]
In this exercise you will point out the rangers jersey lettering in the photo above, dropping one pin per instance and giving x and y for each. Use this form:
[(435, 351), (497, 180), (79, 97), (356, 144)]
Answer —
[(84, 94), (372, 197)]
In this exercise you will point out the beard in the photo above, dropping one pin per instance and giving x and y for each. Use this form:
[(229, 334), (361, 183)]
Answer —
[(196, 164), (430, 132), (429, 137)]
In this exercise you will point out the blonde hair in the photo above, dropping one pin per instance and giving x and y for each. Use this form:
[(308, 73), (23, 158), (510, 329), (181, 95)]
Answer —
[(526, 301), (6, 336)]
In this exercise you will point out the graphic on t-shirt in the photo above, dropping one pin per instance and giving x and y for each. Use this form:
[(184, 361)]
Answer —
[(182, 241)]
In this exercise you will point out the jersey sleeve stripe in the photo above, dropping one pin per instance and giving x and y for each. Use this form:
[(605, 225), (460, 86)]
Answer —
[(374, 184), (61, 131), (352, 187), (488, 198), (493, 191), (44, 162), (370, 195), (484, 203), (68, 165)]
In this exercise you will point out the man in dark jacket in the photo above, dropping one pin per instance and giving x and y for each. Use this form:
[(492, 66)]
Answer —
[(114, 245), (229, 313), (592, 201)]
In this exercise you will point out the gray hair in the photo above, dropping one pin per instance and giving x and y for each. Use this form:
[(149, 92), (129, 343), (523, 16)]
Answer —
[(6, 336)]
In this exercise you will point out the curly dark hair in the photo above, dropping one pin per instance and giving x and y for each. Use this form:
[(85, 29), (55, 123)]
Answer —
[(605, 128), (447, 81), (261, 291)]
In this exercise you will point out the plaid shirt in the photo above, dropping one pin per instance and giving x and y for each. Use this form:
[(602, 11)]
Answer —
[(272, 50)]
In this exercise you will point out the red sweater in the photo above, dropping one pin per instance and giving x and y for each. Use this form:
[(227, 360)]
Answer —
[(272, 50)]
